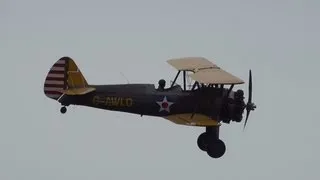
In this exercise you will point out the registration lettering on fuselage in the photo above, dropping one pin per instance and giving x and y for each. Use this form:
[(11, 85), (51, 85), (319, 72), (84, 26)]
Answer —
[(112, 101)]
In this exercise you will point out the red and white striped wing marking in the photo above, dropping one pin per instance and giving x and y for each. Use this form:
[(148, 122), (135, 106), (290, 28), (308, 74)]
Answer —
[(55, 80)]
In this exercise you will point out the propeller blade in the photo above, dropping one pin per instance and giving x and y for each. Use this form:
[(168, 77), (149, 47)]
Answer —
[(250, 87), (247, 116), (249, 106)]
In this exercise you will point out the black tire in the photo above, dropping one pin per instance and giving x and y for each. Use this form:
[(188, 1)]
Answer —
[(203, 141), (63, 109), (216, 149)]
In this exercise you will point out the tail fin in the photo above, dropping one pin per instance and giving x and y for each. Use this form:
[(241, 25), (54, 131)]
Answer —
[(65, 77)]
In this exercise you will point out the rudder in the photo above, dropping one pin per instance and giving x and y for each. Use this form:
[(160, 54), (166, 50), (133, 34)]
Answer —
[(63, 76)]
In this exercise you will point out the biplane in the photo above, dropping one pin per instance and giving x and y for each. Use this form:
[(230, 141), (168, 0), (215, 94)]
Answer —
[(207, 102)]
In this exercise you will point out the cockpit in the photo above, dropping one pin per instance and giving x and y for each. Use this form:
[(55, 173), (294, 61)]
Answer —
[(162, 86)]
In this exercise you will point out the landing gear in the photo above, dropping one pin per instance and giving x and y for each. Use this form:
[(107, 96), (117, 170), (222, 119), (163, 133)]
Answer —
[(216, 148), (63, 109), (209, 142), (203, 141)]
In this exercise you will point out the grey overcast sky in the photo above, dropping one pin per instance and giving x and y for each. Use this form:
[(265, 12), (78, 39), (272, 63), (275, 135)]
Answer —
[(278, 39)]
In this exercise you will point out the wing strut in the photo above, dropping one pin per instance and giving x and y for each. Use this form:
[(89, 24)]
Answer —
[(175, 79)]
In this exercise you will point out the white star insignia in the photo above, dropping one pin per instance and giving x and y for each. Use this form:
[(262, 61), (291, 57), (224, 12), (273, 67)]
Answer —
[(164, 105)]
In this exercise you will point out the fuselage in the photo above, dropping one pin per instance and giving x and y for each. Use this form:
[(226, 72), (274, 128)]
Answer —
[(145, 99), (142, 99)]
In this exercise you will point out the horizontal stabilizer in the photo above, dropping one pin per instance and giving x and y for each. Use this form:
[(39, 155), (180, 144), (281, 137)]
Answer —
[(78, 91)]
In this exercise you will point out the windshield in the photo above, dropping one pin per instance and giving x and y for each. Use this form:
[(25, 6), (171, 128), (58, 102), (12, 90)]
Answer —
[(189, 82)]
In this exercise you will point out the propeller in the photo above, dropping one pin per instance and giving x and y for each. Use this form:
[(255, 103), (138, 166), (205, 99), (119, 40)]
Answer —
[(250, 106)]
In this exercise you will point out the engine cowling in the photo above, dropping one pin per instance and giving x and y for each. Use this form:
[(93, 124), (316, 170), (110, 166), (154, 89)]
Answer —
[(235, 107)]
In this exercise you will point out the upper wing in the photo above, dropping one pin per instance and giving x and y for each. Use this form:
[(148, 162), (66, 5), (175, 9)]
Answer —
[(190, 63), (215, 76), (204, 71)]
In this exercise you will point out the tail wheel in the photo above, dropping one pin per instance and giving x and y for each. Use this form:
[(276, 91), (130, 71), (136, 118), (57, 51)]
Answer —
[(216, 148), (63, 109)]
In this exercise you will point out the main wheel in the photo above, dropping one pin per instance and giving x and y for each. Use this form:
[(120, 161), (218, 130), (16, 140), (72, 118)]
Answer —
[(203, 141), (216, 149), (63, 109)]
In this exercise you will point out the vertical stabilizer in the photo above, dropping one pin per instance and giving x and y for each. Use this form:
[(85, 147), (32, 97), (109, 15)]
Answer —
[(64, 77)]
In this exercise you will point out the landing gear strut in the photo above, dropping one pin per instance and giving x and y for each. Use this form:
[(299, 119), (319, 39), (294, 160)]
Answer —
[(63, 109), (209, 142)]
